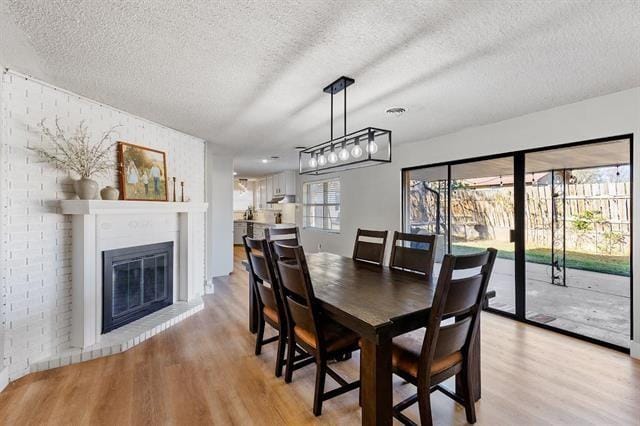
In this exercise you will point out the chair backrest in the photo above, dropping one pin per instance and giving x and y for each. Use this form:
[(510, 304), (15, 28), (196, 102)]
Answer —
[(288, 236), (417, 257), (264, 278), (459, 298), (370, 251), (296, 289)]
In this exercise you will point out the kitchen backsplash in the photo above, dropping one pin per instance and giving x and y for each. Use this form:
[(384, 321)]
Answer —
[(268, 215)]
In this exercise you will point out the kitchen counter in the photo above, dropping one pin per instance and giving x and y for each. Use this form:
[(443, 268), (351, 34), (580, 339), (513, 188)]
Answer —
[(260, 222), (253, 228)]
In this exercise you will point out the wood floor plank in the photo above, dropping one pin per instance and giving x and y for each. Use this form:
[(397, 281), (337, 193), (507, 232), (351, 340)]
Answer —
[(203, 371)]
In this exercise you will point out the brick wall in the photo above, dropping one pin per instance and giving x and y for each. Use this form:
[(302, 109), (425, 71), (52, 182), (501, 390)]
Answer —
[(36, 238)]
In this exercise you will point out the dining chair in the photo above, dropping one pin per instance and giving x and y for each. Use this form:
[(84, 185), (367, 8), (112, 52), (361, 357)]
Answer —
[(320, 337), (289, 236), (418, 257), (370, 251), (428, 356), (268, 297)]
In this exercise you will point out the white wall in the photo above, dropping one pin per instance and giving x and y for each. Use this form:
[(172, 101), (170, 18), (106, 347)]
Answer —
[(36, 238), (371, 197), (220, 215)]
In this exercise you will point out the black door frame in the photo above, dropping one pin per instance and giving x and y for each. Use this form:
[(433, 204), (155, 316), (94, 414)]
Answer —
[(520, 227)]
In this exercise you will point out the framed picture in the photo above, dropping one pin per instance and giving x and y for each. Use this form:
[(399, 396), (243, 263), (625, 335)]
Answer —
[(143, 173)]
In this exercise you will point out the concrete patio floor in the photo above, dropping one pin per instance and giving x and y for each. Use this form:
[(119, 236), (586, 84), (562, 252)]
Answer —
[(592, 304)]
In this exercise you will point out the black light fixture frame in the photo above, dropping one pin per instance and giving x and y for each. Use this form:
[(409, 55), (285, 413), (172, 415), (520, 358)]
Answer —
[(366, 135)]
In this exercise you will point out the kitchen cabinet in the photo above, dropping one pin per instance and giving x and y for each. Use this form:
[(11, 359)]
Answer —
[(269, 190), (277, 184), (284, 183), (290, 183)]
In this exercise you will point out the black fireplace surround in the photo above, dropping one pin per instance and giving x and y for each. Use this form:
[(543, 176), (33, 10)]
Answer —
[(136, 281)]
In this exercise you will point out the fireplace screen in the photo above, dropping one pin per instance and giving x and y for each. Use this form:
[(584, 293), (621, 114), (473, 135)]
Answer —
[(136, 282)]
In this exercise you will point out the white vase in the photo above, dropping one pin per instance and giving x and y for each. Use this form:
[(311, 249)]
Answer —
[(86, 189), (109, 193)]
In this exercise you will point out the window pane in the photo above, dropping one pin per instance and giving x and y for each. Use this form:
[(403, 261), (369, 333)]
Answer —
[(321, 205)]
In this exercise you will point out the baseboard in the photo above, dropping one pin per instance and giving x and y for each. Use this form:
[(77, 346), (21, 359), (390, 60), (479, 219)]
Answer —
[(4, 378), (635, 350)]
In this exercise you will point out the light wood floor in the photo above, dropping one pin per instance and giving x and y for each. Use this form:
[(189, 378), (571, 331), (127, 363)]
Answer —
[(203, 371)]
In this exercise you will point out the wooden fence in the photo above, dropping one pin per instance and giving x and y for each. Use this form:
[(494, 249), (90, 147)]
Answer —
[(597, 216)]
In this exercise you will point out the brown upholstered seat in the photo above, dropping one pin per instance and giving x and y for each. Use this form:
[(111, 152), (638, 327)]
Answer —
[(271, 314), (266, 290), (431, 355), (308, 327), (406, 355), (336, 337)]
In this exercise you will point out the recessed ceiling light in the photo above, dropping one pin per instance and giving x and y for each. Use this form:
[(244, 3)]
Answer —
[(274, 157), (300, 148), (397, 111), (235, 173), (264, 160)]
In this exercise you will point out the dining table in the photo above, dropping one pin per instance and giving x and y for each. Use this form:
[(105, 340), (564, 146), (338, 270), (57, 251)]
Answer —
[(379, 303)]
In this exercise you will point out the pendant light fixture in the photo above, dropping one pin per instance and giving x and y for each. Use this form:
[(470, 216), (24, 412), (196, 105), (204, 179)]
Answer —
[(365, 147)]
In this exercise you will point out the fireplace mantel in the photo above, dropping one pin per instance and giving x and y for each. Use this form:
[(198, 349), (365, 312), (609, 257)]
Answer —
[(91, 207), (99, 225)]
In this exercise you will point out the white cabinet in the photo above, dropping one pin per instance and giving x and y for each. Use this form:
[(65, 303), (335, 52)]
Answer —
[(289, 184), (272, 186), (269, 190), (284, 183), (277, 184)]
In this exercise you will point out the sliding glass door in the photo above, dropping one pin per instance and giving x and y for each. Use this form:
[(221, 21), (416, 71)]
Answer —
[(578, 240), (482, 217), (561, 221)]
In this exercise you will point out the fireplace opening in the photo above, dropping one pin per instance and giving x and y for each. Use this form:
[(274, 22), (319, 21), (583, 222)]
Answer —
[(136, 282)]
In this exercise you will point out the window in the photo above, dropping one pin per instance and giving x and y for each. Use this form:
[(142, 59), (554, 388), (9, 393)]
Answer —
[(242, 195), (321, 205)]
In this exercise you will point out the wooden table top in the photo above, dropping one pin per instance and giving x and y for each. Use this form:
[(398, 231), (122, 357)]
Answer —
[(370, 299)]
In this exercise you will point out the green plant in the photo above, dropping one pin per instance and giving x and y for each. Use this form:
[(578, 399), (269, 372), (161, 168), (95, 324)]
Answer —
[(585, 221), (613, 239)]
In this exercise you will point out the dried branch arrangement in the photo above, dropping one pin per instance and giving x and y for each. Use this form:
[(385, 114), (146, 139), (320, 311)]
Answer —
[(75, 152)]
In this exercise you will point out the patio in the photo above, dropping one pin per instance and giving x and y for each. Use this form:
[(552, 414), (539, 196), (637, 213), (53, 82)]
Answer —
[(592, 304)]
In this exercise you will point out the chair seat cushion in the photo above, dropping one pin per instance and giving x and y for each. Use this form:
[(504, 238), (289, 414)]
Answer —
[(337, 338), (271, 314), (406, 355)]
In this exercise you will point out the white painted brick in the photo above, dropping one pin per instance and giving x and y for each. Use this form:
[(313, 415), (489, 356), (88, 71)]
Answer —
[(37, 239)]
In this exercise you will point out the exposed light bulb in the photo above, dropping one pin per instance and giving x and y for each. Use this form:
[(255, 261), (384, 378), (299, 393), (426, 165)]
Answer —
[(313, 163), (356, 151), (344, 153), (332, 157), (372, 147), (322, 160)]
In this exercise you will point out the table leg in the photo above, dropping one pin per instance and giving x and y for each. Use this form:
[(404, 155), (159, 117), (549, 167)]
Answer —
[(474, 353), (253, 307), (377, 401)]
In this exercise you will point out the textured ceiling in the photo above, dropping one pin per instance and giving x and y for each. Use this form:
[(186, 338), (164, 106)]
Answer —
[(247, 75)]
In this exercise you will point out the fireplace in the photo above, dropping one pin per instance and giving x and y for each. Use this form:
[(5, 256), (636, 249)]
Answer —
[(136, 282)]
